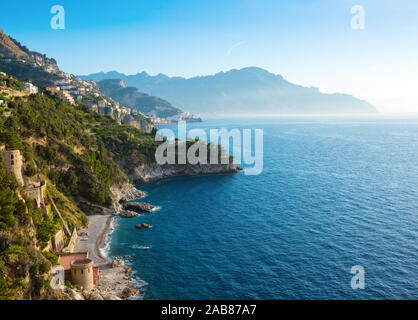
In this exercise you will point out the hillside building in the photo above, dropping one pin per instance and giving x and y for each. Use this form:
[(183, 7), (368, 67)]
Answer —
[(13, 163), (82, 273), (29, 87), (36, 192), (63, 94), (79, 269), (67, 97), (53, 89)]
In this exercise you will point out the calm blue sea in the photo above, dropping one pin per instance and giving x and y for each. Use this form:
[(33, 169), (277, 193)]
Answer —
[(334, 193)]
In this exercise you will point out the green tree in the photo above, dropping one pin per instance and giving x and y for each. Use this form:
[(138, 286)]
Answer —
[(70, 181), (30, 169), (46, 229), (8, 202)]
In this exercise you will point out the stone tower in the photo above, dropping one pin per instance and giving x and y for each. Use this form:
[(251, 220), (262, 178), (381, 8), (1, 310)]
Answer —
[(82, 273), (13, 163)]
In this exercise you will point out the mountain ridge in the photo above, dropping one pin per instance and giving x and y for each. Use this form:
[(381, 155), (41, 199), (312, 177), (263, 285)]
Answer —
[(12, 49), (240, 91), (133, 98)]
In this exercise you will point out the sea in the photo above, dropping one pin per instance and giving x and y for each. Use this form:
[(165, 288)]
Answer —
[(334, 193)]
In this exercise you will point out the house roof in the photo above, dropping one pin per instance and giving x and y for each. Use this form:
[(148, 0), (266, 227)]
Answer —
[(66, 259)]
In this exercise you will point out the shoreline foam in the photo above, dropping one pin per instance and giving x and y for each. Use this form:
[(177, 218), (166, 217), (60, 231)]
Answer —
[(105, 248)]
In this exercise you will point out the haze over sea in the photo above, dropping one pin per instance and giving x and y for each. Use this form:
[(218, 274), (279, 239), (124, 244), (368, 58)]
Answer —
[(334, 193)]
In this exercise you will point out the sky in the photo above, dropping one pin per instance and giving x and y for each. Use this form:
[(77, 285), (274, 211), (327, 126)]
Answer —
[(309, 42)]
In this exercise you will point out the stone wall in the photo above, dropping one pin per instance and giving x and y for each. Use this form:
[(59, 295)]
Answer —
[(71, 242), (58, 241), (58, 215)]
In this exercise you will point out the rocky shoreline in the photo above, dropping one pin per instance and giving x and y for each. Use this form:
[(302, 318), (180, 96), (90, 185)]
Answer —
[(150, 172), (115, 281), (121, 195), (115, 284)]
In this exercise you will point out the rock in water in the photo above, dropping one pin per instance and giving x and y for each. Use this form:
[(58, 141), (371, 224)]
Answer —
[(145, 226), (128, 214), (138, 226), (138, 207), (129, 292)]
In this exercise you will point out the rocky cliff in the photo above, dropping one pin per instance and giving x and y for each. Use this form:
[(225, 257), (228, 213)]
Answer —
[(149, 172), (125, 193)]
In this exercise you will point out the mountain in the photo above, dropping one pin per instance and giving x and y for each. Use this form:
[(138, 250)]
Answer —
[(133, 98), (239, 92), (8, 48), (29, 66), (18, 61), (26, 65)]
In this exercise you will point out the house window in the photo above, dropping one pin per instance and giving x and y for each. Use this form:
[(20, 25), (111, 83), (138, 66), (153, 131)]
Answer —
[(81, 271), (11, 156), (12, 163)]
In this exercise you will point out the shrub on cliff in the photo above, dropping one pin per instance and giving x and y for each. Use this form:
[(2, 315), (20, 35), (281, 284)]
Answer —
[(8, 202), (30, 170), (51, 257), (45, 230)]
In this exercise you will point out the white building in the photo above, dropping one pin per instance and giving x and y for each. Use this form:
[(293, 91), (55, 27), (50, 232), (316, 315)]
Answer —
[(67, 88), (66, 96), (29, 87), (62, 82)]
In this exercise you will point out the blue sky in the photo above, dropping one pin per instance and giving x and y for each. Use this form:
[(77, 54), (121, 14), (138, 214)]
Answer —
[(309, 42)]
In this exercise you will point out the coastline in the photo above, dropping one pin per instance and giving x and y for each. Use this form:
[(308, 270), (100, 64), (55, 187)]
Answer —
[(103, 238), (115, 282), (93, 238)]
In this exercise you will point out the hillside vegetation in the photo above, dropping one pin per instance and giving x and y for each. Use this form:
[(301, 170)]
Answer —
[(77, 149), (23, 231), (77, 152)]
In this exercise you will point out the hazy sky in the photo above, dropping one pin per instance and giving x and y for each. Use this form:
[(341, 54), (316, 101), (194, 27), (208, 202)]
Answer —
[(309, 42)]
